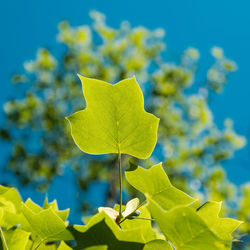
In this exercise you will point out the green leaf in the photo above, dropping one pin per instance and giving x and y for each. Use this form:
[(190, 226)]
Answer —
[(155, 184), (26, 225), (10, 199), (46, 225), (102, 230), (114, 120), (3, 243), (10, 204), (16, 239), (63, 214), (158, 244), (223, 227), (63, 246), (101, 247), (185, 229)]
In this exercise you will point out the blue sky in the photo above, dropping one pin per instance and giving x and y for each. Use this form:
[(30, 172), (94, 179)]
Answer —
[(26, 25)]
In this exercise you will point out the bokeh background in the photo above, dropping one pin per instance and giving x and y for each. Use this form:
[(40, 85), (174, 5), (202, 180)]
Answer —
[(27, 25)]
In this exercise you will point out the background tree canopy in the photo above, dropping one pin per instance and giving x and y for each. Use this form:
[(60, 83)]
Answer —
[(190, 145)]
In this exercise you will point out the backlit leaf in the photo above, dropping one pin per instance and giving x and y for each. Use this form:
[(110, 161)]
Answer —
[(114, 120), (185, 229), (16, 239), (64, 246), (223, 227), (46, 224), (157, 244), (102, 230), (155, 184)]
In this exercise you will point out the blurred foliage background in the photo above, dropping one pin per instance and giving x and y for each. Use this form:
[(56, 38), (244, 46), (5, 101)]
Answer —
[(192, 147)]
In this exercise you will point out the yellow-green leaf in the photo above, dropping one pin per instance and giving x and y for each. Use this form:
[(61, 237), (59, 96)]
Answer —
[(185, 229), (114, 120), (155, 184), (46, 224), (158, 244), (101, 247), (16, 239), (102, 230), (64, 246), (223, 227)]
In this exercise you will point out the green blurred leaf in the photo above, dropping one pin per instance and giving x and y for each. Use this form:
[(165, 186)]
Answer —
[(115, 120)]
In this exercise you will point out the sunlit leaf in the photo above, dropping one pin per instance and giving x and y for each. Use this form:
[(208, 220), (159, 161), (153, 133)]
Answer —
[(223, 227), (157, 245), (16, 239), (114, 120), (10, 204), (102, 230), (46, 225), (9, 197), (63, 214), (185, 229), (155, 184), (64, 246), (101, 247)]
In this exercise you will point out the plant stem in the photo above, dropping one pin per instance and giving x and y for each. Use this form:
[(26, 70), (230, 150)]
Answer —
[(120, 182)]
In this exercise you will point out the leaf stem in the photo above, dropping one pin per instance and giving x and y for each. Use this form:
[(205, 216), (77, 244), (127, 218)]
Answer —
[(120, 182), (142, 218)]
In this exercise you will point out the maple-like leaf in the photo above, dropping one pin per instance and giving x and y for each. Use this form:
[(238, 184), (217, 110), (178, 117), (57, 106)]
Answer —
[(114, 120), (155, 183), (102, 230), (187, 228)]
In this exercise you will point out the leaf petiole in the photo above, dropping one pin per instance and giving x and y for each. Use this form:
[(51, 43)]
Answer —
[(120, 182), (141, 218)]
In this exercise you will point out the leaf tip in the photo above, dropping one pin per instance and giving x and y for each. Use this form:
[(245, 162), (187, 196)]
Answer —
[(80, 76)]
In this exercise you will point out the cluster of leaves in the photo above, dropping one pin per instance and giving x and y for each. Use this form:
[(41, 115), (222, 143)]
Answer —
[(27, 225), (114, 121), (192, 146), (180, 221)]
